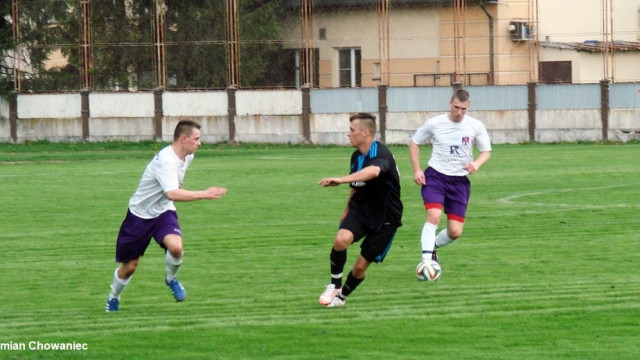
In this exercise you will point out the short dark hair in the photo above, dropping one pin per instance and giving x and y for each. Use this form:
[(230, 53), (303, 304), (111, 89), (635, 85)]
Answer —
[(184, 127), (460, 94), (368, 121)]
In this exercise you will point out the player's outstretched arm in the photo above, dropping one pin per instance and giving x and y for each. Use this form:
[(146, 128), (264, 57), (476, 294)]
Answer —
[(368, 173), (191, 195)]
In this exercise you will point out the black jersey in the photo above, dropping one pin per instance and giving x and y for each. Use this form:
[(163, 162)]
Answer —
[(377, 201)]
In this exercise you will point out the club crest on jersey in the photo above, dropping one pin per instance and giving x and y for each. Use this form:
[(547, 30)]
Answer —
[(465, 140)]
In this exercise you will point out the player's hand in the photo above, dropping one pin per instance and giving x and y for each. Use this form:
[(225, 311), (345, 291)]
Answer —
[(472, 167), (330, 182), (419, 179), (215, 192)]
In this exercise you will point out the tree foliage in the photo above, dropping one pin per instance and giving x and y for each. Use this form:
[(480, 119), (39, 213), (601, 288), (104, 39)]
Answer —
[(122, 37), (6, 45)]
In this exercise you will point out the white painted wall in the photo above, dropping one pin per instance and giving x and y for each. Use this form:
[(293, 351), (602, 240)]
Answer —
[(120, 105), (206, 103), (35, 106), (268, 102), (274, 116)]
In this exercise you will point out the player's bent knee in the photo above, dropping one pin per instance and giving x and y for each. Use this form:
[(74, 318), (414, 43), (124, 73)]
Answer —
[(127, 269), (342, 240), (174, 246), (176, 251), (340, 245), (359, 272)]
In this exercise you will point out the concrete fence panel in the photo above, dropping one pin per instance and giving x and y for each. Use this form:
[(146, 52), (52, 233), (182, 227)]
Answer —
[(190, 104), (561, 113), (48, 106)]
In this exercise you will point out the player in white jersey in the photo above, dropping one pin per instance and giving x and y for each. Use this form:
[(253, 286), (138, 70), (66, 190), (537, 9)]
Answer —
[(152, 214), (445, 185)]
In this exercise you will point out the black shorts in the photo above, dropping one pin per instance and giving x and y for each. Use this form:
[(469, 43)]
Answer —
[(377, 241)]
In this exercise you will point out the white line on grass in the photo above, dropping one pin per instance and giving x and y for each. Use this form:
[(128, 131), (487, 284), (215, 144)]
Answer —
[(514, 199)]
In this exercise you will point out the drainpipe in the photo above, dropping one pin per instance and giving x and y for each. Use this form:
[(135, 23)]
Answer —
[(491, 38)]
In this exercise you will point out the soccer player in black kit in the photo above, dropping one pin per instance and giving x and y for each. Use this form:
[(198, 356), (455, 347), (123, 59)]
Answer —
[(373, 211)]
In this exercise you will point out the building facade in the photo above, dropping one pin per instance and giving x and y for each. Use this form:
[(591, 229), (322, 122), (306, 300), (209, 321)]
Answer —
[(473, 42)]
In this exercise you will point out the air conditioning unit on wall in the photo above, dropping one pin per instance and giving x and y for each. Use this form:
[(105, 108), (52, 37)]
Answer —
[(520, 30)]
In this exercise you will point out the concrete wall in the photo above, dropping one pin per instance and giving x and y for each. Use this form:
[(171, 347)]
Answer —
[(568, 113)]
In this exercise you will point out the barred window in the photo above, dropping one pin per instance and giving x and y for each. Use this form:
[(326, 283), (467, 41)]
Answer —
[(349, 63)]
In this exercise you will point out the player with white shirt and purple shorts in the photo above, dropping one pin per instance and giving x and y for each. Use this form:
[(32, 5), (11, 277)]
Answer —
[(152, 213), (445, 185)]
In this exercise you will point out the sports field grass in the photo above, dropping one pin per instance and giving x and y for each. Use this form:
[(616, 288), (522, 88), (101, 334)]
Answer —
[(547, 267)]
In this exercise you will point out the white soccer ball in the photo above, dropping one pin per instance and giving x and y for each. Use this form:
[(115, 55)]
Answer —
[(428, 270)]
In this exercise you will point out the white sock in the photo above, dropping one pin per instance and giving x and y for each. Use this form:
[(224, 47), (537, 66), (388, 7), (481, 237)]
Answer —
[(443, 239), (428, 240), (173, 265), (117, 285)]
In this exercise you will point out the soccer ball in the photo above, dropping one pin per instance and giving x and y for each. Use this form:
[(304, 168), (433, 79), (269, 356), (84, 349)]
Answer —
[(428, 270)]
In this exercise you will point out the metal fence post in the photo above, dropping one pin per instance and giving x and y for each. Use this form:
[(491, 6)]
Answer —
[(13, 116), (157, 113), (382, 111), (231, 111), (85, 113), (532, 86), (604, 108), (306, 114)]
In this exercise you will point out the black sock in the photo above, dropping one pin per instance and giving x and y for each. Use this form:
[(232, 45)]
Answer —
[(350, 285), (337, 259)]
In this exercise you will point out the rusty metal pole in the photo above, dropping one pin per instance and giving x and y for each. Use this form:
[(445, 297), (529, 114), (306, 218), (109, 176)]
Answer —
[(232, 43), (15, 19), (531, 109), (86, 56), (159, 41), (233, 65), (383, 41), (307, 50)]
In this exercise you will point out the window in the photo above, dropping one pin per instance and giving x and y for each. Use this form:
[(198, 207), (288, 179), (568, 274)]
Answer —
[(555, 72), (349, 68)]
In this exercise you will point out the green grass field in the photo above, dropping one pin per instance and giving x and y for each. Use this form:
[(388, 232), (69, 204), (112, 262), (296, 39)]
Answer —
[(547, 267)]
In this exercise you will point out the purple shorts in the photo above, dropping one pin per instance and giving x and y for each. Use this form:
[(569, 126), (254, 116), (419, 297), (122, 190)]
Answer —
[(136, 233), (448, 192)]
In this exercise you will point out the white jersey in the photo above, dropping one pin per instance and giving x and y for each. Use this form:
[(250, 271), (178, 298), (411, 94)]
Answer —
[(452, 142), (164, 173)]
